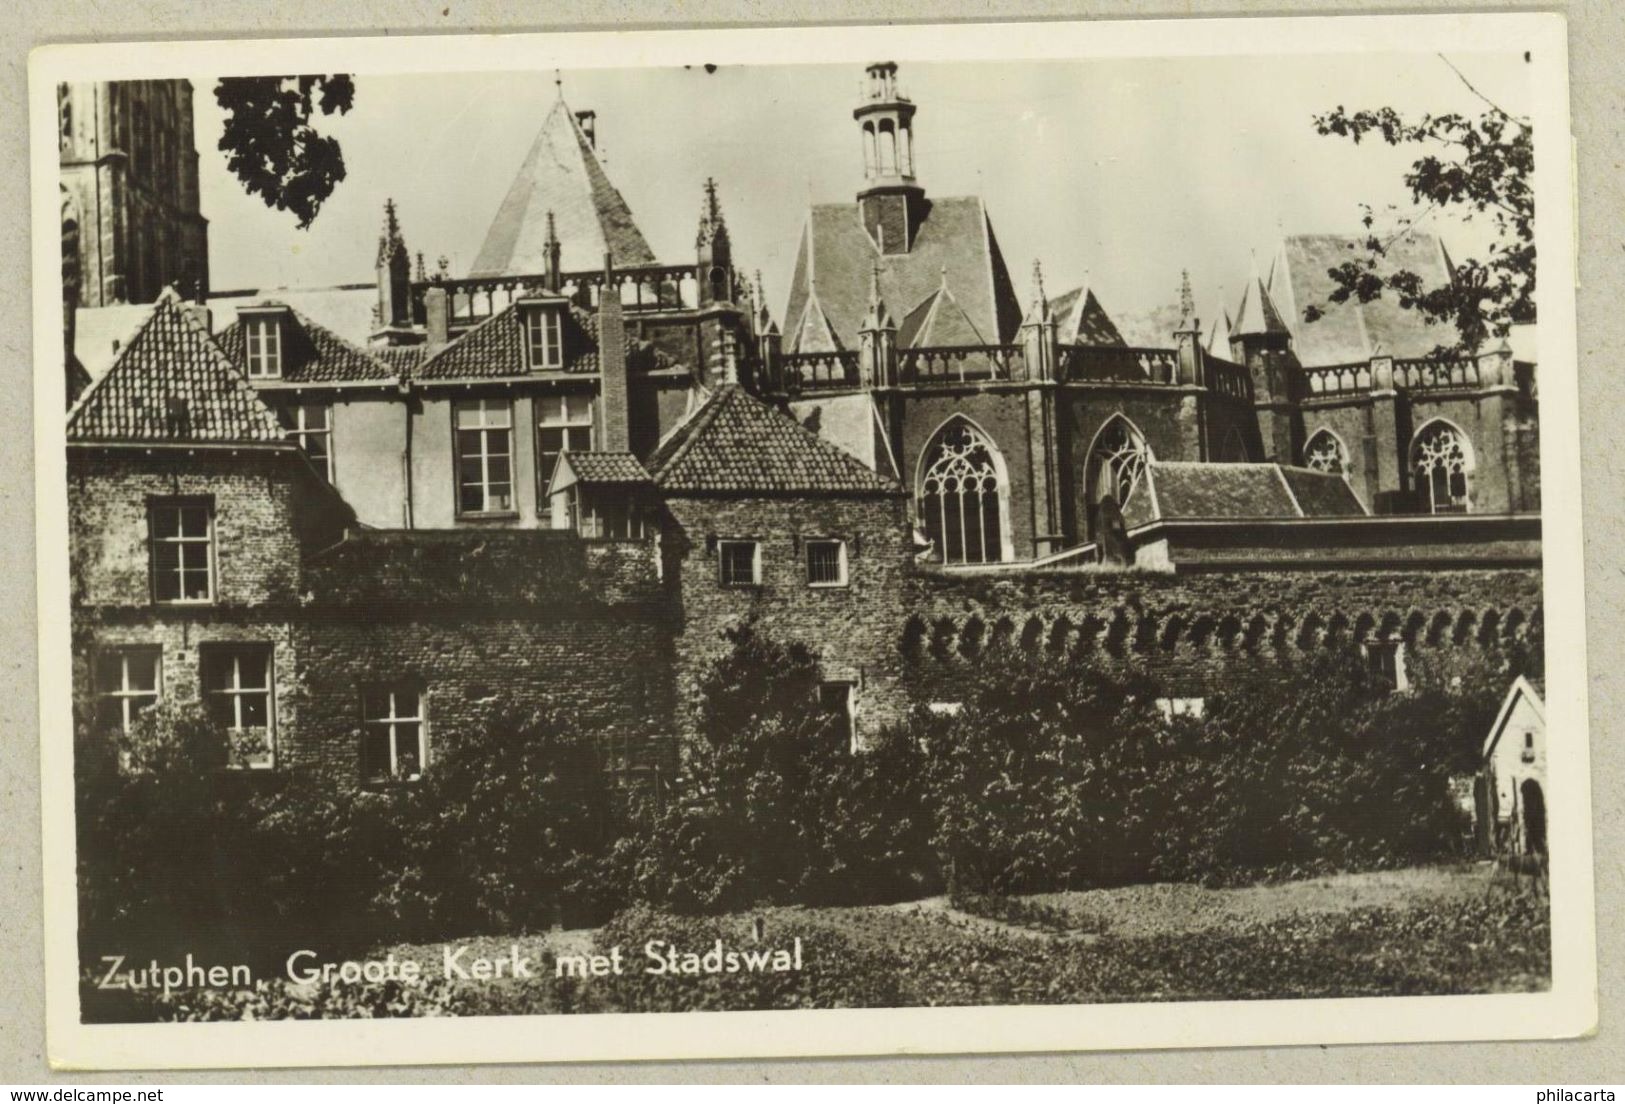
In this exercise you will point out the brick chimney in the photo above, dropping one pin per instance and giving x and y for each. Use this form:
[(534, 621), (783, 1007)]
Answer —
[(614, 422)]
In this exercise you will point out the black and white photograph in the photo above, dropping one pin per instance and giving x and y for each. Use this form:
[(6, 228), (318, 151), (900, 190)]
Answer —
[(936, 538)]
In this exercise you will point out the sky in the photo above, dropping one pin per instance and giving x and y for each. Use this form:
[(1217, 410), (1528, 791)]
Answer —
[(1119, 172)]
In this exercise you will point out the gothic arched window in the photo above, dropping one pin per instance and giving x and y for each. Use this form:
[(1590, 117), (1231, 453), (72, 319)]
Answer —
[(1116, 463), (1324, 452), (962, 489), (1442, 461)]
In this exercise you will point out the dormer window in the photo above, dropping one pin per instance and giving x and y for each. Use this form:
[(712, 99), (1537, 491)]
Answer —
[(263, 337), (544, 336)]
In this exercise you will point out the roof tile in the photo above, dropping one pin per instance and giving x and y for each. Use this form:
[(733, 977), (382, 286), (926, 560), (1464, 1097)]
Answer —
[(172, 383), (738, 443), (312, 353)]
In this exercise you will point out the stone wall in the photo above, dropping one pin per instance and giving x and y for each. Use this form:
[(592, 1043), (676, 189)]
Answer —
[(852, 629), (1199, 632)]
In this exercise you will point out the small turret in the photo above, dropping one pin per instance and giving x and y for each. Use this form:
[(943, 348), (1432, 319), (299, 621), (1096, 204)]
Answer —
[(713, 251), (877, 338), (394, 266), (1039, 332)]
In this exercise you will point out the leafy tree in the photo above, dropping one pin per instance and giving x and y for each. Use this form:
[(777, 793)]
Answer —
[(271, 145), (1478, 166)]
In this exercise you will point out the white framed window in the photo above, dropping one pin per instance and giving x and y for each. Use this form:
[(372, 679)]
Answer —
[(484, 456), (838, 700), (1181, 707), (563, 424), (826, 562), (739, 563), (237, 691), (393, 731), (544, 337), (263, 338), (310, 426), (181, 531), (128, 680), (1386, 660)]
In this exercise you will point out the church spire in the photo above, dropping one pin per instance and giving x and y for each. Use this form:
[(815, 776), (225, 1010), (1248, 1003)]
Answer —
[(390, 241), (878, 317), (394, 269)]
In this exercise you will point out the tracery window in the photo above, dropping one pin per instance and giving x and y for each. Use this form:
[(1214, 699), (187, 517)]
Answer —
[(1116, 464), (960, 497), (1442, 464), (1325, 453)]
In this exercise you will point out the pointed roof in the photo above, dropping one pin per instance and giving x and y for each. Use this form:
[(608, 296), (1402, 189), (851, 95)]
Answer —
[(938, 321), (562, 174), (1531, 690), (737, 443), (1349, 332), (813, 332), (1218, 337), (1038, 311), (837, 254), (172, 383), (1082, 320), (1257, 313)]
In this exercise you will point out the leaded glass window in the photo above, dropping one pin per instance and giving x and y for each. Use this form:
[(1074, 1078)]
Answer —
[(1442, 466), (960, 497)]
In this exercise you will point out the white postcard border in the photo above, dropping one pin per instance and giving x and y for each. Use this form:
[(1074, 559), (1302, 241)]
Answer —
[(1567, 1010)]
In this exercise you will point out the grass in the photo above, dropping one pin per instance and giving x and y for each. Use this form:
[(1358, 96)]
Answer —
[(1426, 930)]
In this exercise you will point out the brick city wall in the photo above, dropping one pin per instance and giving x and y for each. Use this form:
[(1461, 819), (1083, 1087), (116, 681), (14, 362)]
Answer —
[(1198, 631)]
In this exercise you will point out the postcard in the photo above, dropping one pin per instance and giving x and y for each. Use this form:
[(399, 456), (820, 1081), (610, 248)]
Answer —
[(810, 541)]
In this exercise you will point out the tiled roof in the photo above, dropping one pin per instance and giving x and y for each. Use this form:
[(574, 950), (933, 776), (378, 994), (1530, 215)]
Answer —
[(1191, 490), (1322, 494), (172, 383), (838, 255), (1081, 320), (403, 360), (605, 467), (311, 353), (561, 174), (736, 442), (1351, 332), (495, 349), (938, 321)]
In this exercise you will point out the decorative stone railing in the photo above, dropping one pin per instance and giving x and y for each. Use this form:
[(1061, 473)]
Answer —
[(652, 287), (821, 371), (1228, 378), (1433, 374), (1118, 363), (1337, 379), (961, 364)]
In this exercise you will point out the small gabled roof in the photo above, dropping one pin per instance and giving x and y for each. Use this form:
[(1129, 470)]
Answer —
[(561, 174), (1531, 690), (172, 383), (1218, 338), (311, 353), (1257, 313), (737, 443), (597, 469), (937, 322), (813, 333), (1081, 320), (1206, 491)]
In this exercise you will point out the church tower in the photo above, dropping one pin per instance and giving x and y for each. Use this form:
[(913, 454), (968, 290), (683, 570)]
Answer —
[(127, 157), (892, 203)]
